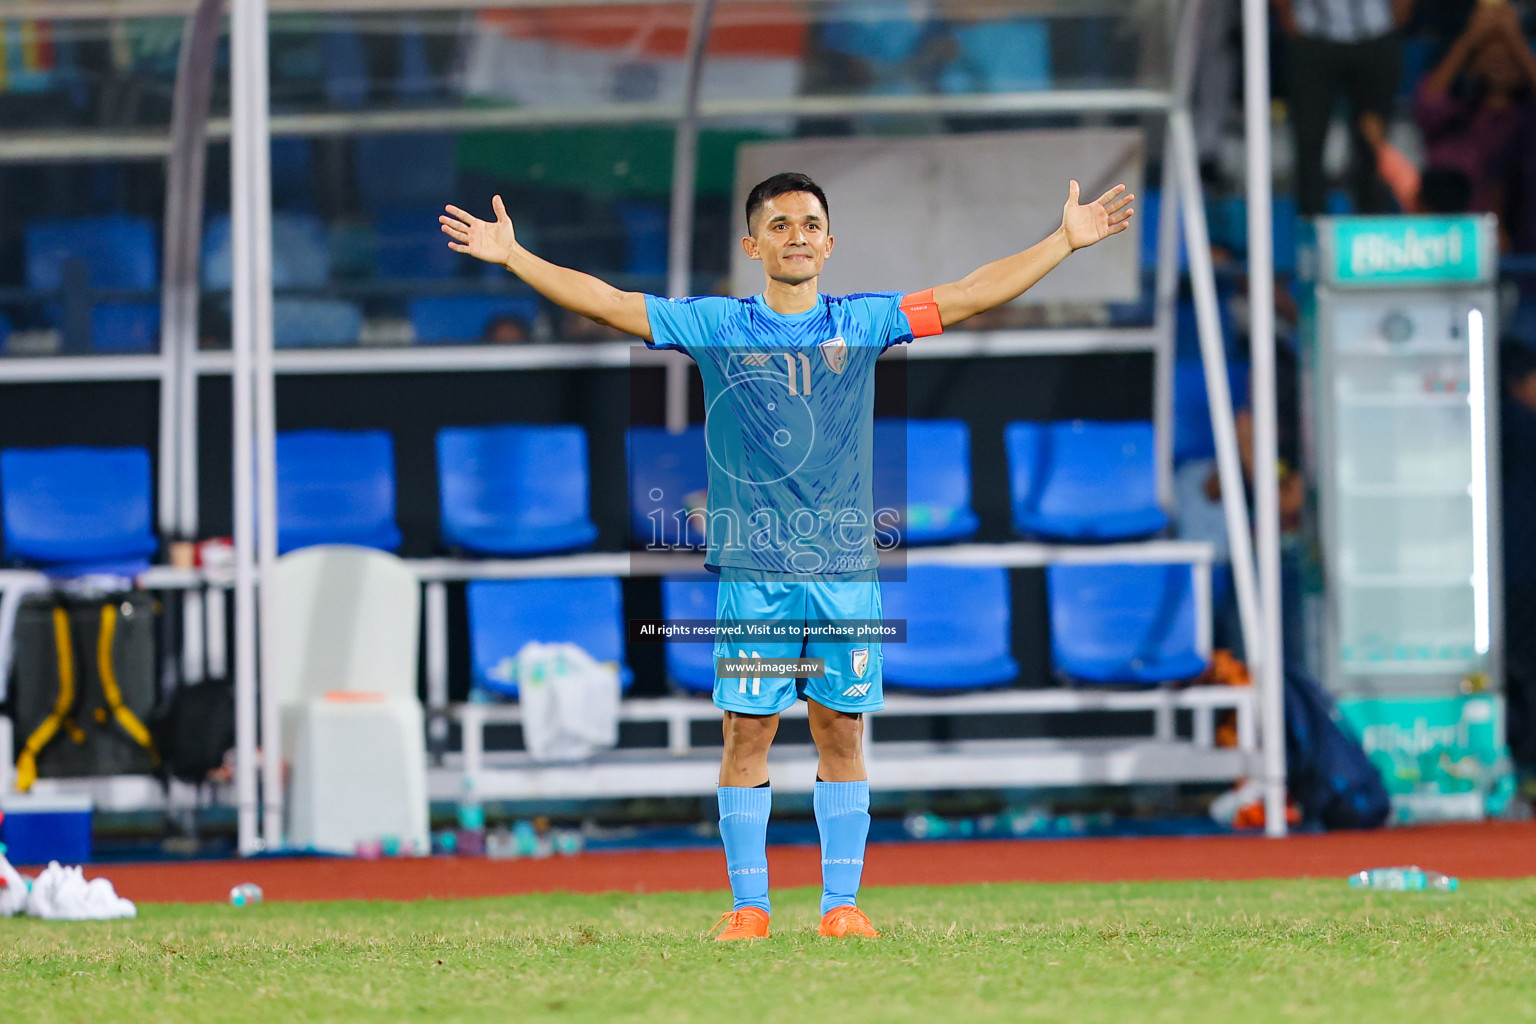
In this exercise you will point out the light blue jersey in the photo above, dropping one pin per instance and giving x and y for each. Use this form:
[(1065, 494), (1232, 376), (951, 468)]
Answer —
[(789, 418)]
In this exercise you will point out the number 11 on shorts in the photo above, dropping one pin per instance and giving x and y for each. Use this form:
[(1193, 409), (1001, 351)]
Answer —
[(757, 683)]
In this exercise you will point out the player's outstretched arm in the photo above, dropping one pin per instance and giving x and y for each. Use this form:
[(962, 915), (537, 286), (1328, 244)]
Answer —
[(1006, 279), (495, 242)]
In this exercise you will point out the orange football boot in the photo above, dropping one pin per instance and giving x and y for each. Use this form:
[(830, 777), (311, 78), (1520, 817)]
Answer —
[(841, 922), (746, 923)]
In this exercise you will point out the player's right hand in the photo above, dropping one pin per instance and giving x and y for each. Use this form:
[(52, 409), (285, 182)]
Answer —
[(491, 241)]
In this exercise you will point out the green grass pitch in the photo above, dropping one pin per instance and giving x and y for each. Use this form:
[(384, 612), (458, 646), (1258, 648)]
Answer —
[(1178, 952)]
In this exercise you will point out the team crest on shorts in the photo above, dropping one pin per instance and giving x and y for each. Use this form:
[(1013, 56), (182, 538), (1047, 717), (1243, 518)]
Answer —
[(860, 661), (834, 352)]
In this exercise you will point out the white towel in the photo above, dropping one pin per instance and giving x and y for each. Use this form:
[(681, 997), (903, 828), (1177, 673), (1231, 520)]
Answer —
[(570, 702)]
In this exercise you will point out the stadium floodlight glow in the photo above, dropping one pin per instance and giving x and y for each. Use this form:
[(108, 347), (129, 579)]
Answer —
[(1478, 399)]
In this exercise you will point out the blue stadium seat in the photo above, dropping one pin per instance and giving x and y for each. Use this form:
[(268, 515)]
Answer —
[(1339, 202), (336, 487), (1285, 220), (645, 238), (1080, 480), (125, 327), (880, 37), (959, 628), (514, 490), (1228, 219), (675, 466), (293, 174), (506, 614), (412, 246), (1000, 56), (463, 318), (1124, 624), (690, 665), (414, 81), (406, 170), (315, 323), (301, 252), (1192, 437), (1149, 210), (936, 477), (78, 510), (1186, 328), (345, 66), (117, 251)]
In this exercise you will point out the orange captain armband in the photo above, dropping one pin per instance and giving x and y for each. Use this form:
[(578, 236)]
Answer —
[(922, 313)]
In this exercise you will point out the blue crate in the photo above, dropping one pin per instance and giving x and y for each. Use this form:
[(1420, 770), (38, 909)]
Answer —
[(38, 829)]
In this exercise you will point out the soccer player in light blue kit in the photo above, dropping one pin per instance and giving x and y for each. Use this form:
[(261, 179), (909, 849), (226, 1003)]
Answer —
[(789, 398)]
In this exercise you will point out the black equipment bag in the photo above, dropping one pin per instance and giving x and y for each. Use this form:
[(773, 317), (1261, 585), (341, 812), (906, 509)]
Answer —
[(84, 685), (1327, 770), (197, 729)]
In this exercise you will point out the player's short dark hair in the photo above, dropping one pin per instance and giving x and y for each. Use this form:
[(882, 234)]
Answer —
[(779, 185)]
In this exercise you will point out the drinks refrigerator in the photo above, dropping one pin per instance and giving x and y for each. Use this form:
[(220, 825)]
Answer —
[(1400, 431)]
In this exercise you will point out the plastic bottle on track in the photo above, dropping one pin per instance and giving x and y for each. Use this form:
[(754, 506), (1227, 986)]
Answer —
[(1402, 879)]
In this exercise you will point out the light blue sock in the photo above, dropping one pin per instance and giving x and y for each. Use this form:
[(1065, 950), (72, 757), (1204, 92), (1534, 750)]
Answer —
[(842, 817), (744, 830)]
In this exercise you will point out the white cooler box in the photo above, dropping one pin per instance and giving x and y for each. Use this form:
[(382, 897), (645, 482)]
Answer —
[(345, 627), (358, 774)]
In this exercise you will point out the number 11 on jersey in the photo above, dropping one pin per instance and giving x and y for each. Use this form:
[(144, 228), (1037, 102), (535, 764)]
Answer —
[(805, 372)]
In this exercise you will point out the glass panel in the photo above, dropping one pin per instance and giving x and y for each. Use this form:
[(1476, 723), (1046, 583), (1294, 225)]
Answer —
[(1399, 629), (574, 56), (948, 48), (80, 263), (1422, 447), (567, 111), (1393, 539), (80, 245), (107, 75)]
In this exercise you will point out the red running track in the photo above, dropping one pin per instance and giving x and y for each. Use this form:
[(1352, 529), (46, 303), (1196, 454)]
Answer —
[(1494, 850)]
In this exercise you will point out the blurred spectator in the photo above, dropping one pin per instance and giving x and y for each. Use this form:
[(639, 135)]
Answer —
[(1197, 485), (1334, 49), (575, 327), (1477, 110), (1435, 190), (1518, 435), (1215, 108), (505, 330)]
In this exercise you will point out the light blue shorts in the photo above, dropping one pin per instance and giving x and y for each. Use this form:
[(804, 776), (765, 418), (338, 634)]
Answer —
[(852, 682)]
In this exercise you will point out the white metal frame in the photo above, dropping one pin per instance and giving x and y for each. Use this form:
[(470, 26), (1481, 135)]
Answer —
[(681, 769), (253, 363)]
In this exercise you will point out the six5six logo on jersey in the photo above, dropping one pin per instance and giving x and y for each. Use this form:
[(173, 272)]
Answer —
[(858, 662), (797, 365)]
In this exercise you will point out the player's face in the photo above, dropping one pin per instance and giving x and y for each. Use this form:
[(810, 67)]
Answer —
[(790, 238)]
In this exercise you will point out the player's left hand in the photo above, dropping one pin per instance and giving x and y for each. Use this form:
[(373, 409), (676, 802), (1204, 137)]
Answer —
[(1087, 223)]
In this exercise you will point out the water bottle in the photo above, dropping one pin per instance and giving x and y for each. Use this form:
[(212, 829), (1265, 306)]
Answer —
[(525, 839), (246, 894), (445, 841), (1402, 879)]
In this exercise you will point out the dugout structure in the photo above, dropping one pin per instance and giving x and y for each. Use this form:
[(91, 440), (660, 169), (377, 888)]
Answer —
[(709, 83)]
